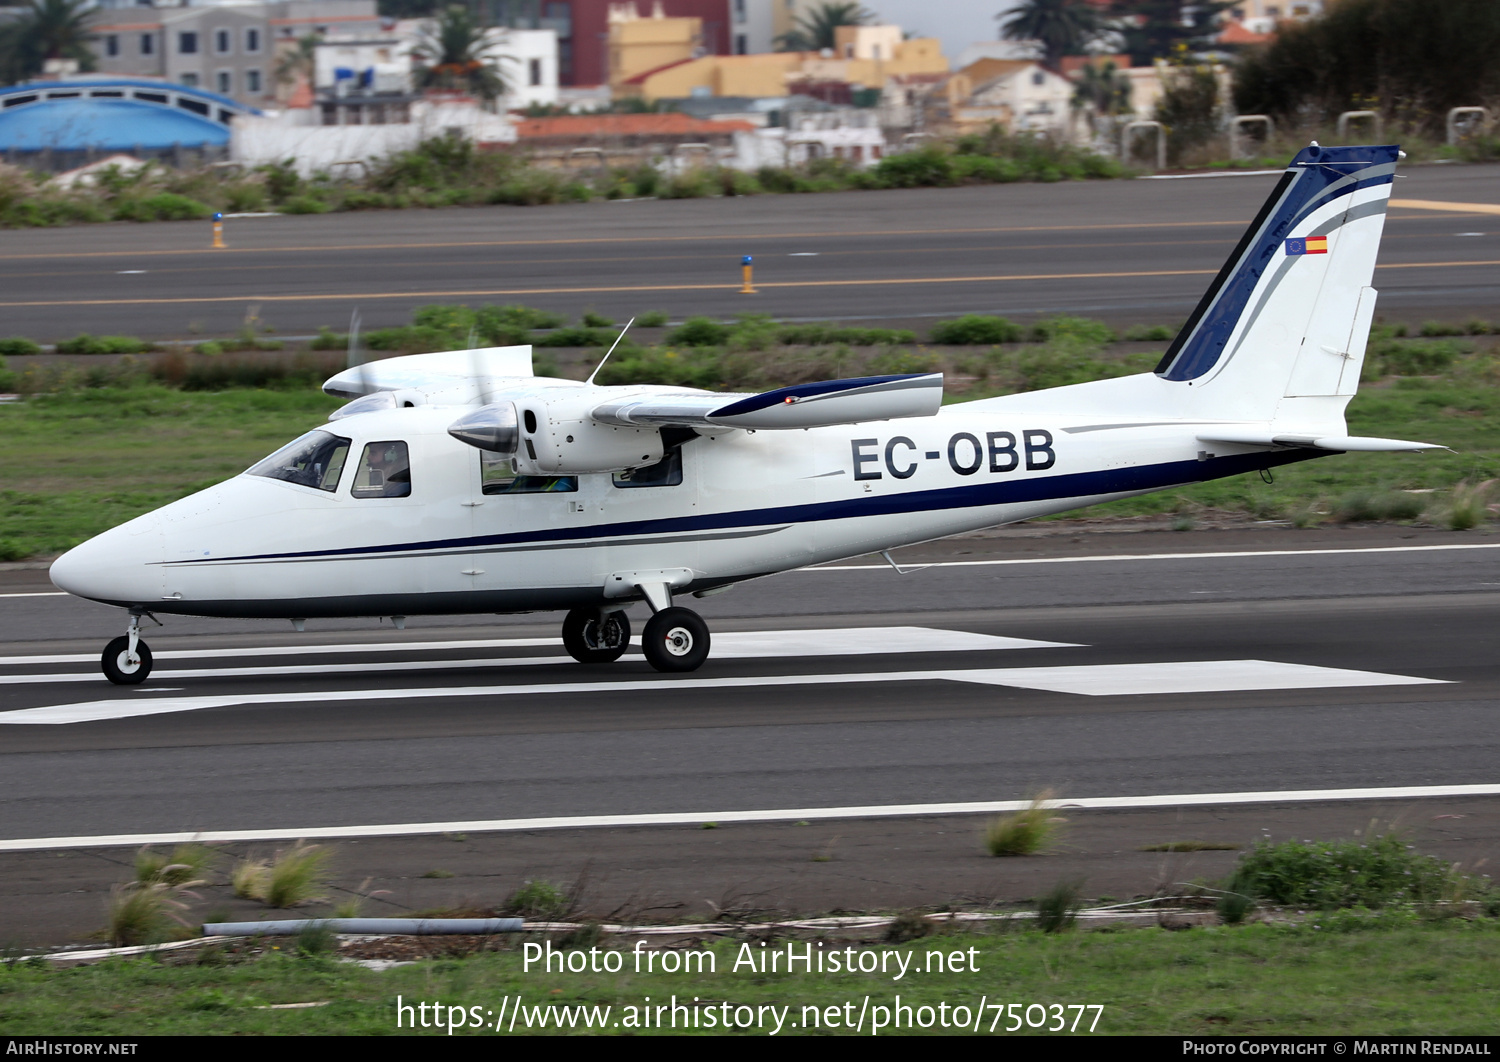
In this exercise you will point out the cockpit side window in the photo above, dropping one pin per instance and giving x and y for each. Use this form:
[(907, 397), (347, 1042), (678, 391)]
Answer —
[(315, 460), (383, 472), (498, 476)]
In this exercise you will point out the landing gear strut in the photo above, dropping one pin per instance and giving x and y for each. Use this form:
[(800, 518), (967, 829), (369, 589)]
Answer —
[(592, 636), (127, 659)]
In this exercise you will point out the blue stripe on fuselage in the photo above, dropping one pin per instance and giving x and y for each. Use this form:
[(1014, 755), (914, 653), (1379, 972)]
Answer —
[(969, 496)]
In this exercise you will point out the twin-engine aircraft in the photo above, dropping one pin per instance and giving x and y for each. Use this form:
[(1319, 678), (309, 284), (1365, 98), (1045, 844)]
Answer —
[(458, 482)]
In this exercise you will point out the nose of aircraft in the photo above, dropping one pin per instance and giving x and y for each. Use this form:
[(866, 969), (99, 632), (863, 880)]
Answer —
[(120, 567)]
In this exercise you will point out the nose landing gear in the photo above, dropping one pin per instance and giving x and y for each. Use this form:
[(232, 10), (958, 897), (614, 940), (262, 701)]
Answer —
[(127, 659)]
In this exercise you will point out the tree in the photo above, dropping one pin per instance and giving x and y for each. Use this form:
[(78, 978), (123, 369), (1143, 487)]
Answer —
[(455, 54), (816, 30), (1103, 92), (1409, 59), (1153, 29), (1061, 27), (47, 29)]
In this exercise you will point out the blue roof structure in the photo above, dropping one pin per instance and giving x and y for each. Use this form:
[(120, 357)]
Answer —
[(113, 114)]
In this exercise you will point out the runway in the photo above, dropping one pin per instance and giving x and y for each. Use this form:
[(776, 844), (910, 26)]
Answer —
[(1312, 680), (1277, 683), (1131, 251)]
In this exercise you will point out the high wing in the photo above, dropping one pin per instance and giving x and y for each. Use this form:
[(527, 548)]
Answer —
[(814, 405), (563, 427)]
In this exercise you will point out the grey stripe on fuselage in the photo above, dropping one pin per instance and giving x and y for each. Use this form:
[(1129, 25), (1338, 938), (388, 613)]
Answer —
[(586, 543)]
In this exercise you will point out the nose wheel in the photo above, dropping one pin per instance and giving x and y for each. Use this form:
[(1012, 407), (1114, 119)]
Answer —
[(592, 638), (127, 659), (675, 639)]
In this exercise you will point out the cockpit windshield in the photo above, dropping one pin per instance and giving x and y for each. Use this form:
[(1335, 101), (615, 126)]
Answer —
[(315, 460)]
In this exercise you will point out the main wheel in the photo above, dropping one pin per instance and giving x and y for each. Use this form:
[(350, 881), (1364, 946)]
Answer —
[(117, 666), (675, 639), (590, 640)]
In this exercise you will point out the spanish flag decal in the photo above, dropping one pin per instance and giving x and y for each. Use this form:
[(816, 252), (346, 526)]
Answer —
[(1307, 245)]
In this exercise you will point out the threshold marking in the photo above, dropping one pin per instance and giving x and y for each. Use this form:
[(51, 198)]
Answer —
[(732, 645), (1096, 680), (695, 818)]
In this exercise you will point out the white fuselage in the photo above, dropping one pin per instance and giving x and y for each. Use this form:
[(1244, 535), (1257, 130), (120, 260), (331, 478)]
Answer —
[(750, 503)]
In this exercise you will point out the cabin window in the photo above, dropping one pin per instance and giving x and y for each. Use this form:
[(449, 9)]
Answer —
[(384, 471), (315, 460), (498, 476), (665, 473)]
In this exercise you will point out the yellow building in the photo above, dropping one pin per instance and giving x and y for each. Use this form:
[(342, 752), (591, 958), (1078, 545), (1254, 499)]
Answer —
[(865, 57), (638, 44)]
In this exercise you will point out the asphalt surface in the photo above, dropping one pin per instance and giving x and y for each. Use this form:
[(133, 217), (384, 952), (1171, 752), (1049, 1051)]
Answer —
[(1131, 251), (359, 725)]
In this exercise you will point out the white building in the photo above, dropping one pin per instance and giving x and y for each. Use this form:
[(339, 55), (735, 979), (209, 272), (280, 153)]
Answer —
[(528, 63)]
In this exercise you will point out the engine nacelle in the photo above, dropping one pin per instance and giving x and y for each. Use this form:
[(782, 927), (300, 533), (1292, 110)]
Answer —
[(557, 437)]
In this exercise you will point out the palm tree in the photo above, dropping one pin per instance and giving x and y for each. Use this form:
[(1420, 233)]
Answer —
[(48, 29), (1102, 91), (1062, 27), (455, 54), (816, 31)]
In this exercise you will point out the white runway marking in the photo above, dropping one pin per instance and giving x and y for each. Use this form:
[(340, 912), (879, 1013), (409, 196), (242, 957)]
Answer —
[(1189, 676), (1112, 679), (731, 645), (693, 818)]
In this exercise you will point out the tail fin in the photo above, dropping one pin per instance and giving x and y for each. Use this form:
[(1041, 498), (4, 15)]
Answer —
[(1280, 334)]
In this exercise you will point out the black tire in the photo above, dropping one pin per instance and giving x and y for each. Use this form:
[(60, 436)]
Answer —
[(675, 639), (115, 667), (592, 641)]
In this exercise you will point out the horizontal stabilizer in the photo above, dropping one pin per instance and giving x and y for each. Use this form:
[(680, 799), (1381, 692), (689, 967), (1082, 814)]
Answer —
[(441, 372), (1339, 443), (814, 405)]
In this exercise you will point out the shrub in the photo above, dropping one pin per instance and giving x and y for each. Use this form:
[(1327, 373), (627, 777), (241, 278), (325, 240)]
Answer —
[(87, 344), (142, 914), (576, 337), (1057, 908), (1365, 505), (189, 864), (16, 346), (1468, 505), (976, 328), (1372, 871), (590, 319), (1150, 333), (699, 332), (1433, 329), (210, 347), (518, 317), (163, 206), (305, 204), (1027, 832), (652, 319), (928, 168), (540, 900), (1079, 328)]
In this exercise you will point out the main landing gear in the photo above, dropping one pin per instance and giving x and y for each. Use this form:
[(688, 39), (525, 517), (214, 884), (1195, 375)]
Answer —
[(675, 639), (127, 659)]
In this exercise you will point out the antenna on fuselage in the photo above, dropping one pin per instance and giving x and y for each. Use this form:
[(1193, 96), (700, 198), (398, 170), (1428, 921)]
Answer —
[(610, 351)]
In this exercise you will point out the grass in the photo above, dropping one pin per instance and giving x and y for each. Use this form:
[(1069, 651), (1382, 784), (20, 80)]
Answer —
[(1367, 975), (188, 864), (1027, 832), (296, 875), (541, 901), (142, 914)]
